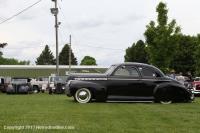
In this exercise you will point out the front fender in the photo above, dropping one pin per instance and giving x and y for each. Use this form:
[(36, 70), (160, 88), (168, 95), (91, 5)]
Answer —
[(98, 90)]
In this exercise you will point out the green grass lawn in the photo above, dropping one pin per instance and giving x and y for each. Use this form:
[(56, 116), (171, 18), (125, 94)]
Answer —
[(58, 110)]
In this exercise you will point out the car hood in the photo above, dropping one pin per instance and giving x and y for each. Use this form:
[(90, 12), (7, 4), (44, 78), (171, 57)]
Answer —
[(81, 76), (196, 82), (173, 80)]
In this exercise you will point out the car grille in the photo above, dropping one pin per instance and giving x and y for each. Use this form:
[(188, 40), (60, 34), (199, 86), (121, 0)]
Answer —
[(59, 88)]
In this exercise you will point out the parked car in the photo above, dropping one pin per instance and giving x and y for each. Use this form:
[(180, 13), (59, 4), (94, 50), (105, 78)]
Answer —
[(128, 81), (40, 84), (57, 84), (19, 85), (185, 81), (4, 81), (196, 86), (2, 84)]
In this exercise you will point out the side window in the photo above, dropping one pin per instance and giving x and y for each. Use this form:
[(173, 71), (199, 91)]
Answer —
[(146, 72), (126, 71), (134, 72), (122, 71)]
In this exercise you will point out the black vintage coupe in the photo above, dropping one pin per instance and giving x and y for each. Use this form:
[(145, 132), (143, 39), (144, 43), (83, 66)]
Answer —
[(128, 81)]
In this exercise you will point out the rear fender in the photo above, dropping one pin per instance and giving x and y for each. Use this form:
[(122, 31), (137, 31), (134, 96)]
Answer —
[(171, 90), (169, 85)]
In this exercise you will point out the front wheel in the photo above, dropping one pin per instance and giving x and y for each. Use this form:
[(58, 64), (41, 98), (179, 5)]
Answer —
[(83, 95)]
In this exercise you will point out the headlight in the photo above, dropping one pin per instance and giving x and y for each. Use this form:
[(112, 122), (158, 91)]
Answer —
[(51, 85), (10, 87)]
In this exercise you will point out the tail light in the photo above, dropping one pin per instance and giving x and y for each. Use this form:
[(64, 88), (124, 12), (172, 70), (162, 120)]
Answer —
[(197, 87)]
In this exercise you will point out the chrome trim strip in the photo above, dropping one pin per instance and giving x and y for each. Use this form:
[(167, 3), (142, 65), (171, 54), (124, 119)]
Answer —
[(91, 79), (137, 79)]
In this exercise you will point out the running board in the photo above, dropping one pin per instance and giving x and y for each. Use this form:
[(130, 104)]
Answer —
[(129, 101), (129, 98)]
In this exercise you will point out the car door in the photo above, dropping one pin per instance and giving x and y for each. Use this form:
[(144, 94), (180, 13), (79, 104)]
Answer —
[(149, 80), (124, 81)]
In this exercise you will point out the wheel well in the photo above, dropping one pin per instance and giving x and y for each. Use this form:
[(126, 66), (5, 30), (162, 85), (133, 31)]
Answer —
[(160, 92), (36, 86), (170, 92), (76, 89), (93, 91)]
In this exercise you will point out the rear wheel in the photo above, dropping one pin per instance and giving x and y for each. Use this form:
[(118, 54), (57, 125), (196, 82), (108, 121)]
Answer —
[(83, 95), (166, 101), (164, 96), (36, 89)]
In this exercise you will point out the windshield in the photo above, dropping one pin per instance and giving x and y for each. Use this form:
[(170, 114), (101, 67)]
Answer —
[(43, 79), (197, 79), (110, 70), (59, 79)]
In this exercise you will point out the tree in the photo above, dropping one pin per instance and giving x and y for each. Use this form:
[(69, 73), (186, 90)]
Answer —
[(64, 56), (88, 60), (2, 45), (46, 57), (197, 55), (136, 53), (161, 39), (12, 61), (184, 57)]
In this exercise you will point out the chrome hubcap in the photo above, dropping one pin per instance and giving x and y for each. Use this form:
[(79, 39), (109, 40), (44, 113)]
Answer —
[(192, 97), (83, 95)]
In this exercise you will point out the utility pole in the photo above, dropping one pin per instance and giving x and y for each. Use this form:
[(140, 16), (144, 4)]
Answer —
[(54, 11), (70, 53)]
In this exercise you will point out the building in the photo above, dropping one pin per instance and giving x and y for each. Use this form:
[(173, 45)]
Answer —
[(45, 70)]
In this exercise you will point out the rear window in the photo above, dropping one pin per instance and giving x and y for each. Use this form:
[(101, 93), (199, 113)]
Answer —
[(147, 72)]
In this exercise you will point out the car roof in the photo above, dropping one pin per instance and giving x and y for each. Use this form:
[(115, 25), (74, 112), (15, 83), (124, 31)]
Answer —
[(134, 63), (141, 65)]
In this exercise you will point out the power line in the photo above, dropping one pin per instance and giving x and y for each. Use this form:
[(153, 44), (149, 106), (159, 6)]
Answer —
[(99, 47), (29, 47), (65, 23), (91, 46), (27, 8), (2, 18)]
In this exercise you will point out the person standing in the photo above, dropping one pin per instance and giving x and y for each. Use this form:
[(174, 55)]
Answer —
[(172, 75)]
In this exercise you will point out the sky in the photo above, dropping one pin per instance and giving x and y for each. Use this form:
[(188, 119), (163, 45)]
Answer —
[(102, 29)]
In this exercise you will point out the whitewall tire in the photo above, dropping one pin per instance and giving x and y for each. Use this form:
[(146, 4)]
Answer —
[(83, 95), (166, 102)]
